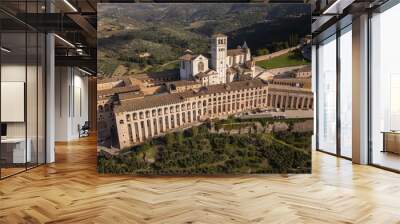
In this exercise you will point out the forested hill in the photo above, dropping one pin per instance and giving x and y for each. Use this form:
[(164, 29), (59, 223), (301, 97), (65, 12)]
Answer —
[(165, 31)]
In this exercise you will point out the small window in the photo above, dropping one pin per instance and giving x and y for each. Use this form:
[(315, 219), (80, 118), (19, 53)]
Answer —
[(200, 66)]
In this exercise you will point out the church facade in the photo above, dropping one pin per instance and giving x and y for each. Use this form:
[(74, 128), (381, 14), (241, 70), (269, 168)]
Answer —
[(224, 67)]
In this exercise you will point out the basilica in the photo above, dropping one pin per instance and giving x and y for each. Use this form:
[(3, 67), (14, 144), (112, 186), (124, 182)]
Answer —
[(225, 66), (144, 106)]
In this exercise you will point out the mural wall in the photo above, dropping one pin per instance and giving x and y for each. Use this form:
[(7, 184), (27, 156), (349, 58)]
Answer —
[(196, 89)]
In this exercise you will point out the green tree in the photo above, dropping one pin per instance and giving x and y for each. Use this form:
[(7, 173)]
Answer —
[(179, 137), (195, 131), (169, 139), (262, 51)]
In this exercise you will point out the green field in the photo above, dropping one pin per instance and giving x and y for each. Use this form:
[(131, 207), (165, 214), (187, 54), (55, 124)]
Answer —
[(286, 60)]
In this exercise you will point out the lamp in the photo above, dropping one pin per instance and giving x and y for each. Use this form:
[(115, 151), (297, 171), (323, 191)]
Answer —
[(64, 40), (84, 71), (70, 5)]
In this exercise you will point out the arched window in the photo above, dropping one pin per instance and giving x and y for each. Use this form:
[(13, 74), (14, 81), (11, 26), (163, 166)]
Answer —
[(200, 66)]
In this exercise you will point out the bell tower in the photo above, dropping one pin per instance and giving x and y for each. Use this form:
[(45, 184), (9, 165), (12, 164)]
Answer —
[(218, 55)]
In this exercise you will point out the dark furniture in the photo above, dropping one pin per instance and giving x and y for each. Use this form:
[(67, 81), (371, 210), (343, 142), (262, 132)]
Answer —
[(3, 129), (391, 141), (84, 130)]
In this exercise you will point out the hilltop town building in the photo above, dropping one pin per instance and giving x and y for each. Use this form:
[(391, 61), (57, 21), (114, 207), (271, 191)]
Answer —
[(149, 116), (225, 66), (304, 72), (150, 105)]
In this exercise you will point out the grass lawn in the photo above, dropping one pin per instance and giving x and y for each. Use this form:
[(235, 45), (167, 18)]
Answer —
[(286, 60)]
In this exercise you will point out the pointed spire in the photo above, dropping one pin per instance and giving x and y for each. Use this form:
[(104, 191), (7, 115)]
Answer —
[(245, 45)]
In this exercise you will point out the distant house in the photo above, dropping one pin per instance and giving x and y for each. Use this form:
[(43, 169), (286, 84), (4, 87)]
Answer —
[(144, 55), (304, 72)]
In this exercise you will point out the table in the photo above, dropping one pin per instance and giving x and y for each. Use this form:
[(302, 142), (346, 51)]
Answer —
[(391, 141), (13, 150)]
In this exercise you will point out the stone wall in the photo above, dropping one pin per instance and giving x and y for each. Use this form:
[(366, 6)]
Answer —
[(257, 127), (275, 54)]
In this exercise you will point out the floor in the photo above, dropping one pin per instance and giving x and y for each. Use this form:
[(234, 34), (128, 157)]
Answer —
[(387, 159), (70, 191), (5, 172), (10, 171)]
